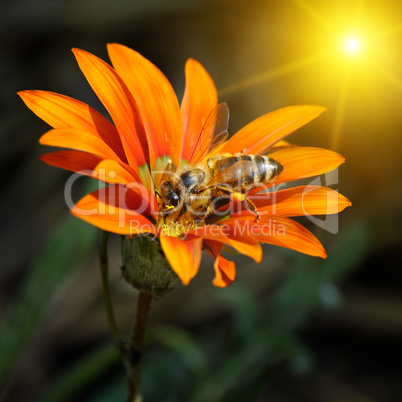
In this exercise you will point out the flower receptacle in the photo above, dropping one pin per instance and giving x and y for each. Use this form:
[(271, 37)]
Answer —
[(145, 267)]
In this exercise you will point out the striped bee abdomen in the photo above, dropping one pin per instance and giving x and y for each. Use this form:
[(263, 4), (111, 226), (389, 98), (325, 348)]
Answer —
[(263, 169)]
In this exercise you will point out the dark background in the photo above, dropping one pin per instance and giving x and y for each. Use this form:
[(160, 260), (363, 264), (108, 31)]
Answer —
[(290, 329)]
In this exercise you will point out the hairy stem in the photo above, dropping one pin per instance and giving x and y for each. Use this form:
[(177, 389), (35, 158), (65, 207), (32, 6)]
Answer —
[(104, 268), (130, 352), (135, 346)]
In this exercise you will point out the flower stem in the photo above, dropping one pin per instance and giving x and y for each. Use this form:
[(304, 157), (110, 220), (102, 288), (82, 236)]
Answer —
[(135, 347), (104, 268), (131, 352)]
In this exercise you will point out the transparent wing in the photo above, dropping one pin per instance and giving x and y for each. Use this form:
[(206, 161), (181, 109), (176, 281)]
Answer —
[(234, 173), (213, 133)]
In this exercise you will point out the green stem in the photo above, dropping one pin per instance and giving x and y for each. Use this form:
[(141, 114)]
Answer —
[(135, 347), (104, 268), (131, 355)]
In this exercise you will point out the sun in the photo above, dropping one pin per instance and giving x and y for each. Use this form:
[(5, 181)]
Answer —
[(352, 45)]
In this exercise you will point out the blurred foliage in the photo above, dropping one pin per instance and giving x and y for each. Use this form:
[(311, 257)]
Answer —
[(81, 374), (232, 360), (63, 252)]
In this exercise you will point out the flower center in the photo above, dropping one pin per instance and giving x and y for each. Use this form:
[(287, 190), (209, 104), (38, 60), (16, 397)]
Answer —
[(176, 222), (176, 229)]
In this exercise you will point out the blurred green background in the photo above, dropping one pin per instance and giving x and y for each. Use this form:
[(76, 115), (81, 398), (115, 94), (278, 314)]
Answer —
[(291, 329)]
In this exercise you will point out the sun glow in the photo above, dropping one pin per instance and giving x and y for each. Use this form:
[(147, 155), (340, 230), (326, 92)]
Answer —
[(352, 45)]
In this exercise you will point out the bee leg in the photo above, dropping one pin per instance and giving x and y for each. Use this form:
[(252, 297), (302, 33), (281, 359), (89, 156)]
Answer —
[(236, 196), (182, 212), (208, 211), (253, 207)]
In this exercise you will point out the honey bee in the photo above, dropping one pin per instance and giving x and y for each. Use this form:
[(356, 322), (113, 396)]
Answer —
[(190, 193)]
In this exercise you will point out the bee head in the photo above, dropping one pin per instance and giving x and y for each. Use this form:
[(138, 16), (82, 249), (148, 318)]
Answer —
[(169, 197)]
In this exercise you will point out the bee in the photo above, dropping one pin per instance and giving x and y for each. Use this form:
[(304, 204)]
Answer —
[(191, 193)]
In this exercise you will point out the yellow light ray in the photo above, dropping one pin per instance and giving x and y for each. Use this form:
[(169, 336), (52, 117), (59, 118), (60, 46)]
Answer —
[(358, 9), (387, 75), (314, 14), (273, 73), (340, 111), (396, 29)]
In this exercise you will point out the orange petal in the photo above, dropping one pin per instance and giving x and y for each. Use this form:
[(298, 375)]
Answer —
[(225, 271), (110, 171), (117, 100), (301, 162), (60, 111), (257, 136), (78, 140), (281, 144), (115, 209), (76, 161), (156, 101), (200, 97), (298, 201), (184, 256), (227, 234), (282, 232), (241, 241)]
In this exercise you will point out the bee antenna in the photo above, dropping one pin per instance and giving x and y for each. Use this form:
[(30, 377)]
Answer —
[(156, 192)]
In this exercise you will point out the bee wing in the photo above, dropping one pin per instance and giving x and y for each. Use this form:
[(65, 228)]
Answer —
[(236, 172), (213, 132)]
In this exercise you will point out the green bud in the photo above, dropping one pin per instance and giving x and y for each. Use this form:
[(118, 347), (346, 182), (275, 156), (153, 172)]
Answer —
[(145, 266)]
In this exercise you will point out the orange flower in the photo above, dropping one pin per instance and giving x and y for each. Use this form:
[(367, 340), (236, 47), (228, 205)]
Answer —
[(152, 136)]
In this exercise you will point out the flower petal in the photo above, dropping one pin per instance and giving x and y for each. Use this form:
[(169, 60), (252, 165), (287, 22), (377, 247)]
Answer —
[(301, 162), (259, 135), (282, 232), (298, 201), (227, 234), (117, 100), (156, 101), (76, 161), (200, 97), (282, 144), (78, 140), (110, 171), (184, 256), (115, 209), (225, 271), (60, 111)]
